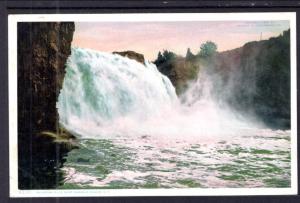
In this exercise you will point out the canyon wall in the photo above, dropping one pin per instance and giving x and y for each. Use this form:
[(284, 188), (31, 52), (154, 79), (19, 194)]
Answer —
[(253, 79)]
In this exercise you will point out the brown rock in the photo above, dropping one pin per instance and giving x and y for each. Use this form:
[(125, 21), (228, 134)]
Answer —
[(132, 55)]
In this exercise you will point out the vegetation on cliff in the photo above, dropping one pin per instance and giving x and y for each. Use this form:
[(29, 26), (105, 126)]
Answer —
[(178, 69)]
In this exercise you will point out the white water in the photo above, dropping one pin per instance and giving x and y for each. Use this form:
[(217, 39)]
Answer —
[(142, 132), (106, 95)]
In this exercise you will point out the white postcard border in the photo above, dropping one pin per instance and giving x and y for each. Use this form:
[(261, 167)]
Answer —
[(170, 17)]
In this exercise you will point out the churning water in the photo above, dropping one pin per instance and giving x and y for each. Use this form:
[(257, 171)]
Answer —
[(134, 132)]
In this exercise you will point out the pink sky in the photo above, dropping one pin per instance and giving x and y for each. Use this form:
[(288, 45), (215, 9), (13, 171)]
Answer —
[(149, 38)]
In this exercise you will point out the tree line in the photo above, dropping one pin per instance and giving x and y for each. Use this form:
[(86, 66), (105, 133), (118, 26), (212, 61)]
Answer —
[(206, 50)]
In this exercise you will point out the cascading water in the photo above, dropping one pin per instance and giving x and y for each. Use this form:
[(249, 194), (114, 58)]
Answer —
[(102, 92), (134, 132), (105, 95)]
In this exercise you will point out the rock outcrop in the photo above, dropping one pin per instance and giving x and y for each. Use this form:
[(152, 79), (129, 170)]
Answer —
[(132, 55), (180, 71), (43, 49)]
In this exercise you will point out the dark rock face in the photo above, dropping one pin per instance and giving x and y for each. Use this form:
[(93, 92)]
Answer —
[(43, 49), (132, 55), (258, 75)]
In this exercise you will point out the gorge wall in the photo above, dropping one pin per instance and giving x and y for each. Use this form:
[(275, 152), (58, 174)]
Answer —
[(253, 79), (258, 76), (43, 49)]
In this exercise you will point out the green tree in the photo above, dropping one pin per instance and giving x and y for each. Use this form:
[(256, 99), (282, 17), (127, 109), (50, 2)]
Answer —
[(168, 55), (164, 57), (189, 55), (160, 59), (208, 49)]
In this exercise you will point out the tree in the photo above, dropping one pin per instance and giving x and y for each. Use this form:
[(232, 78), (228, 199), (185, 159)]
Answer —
[(208, 49), (160, 59), (189, 55), (168, 55)]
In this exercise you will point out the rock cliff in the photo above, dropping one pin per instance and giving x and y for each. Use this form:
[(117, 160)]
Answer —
[(43, 49), (258, 76)]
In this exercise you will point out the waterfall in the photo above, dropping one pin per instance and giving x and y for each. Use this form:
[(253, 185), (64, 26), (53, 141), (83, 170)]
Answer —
[(106, 95), (101, 88)]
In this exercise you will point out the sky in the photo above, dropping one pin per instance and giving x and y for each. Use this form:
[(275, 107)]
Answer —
[(149, 38)]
